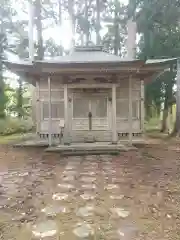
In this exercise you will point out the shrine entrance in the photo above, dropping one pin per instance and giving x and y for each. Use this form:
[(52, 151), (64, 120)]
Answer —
[(90, 109)]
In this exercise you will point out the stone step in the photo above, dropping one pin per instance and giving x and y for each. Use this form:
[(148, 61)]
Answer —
[(93, 152), (89, 149)]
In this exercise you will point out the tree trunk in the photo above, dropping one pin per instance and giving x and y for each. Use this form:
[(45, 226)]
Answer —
[(3, 98), (40, 49), (116, 29), (158, 110), (165, 111), (168, 98), (98, 38), (87, 23), (176, 130), (82, 38), (72, 20), (20, 98), (147, 104), (60, 23), (131, 9), (2, 94)]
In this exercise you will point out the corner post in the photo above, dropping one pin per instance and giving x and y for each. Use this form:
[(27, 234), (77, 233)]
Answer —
[(114, 127), (50, 114), (66, 115), (38, 116), (142, 106), (130, 120)]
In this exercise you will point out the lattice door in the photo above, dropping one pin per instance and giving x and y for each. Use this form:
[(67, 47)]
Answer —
[(96, 105)]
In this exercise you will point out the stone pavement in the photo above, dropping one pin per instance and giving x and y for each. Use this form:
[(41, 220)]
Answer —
[(82, 200)]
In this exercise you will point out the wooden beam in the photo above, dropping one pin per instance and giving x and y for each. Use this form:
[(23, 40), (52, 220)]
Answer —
[(130, 120), (94, 85), (50, 114)]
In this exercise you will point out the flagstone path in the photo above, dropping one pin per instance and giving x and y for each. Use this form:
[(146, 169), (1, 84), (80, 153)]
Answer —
[(87, 197)]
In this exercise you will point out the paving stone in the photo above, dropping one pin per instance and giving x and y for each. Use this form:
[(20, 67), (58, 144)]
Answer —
[(68, 178), (87, 158), (87, 196), (115, 180), (112, 235), (88, 173), (109, 172), (20, 217), (88, 179), (70, 167), (85, 211), (83, 230), (23, 174), (60, 196), (107, 167), (90, 169), (45, 229), (53, 210), (75, 158), (120, 212), (111, 186), (116, 197), (90, 164), (106, 158), (89, 186), (67, 173), (66, 186), (100, 211), (74, 163), (128, 231)]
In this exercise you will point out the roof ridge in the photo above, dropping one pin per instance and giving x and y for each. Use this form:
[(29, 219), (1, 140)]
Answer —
[(88, 48)]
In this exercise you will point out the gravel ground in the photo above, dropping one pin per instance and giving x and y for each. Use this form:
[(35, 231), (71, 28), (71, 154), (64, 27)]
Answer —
[(135, 195)]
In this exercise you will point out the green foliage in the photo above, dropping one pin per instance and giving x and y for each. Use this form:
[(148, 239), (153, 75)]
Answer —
[(14, 125), (18, 103), (152, 124), (158, 25), (3, 99), (115, 19)]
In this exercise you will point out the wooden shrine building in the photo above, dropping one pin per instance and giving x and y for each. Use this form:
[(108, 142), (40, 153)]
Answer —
[(89, 95)]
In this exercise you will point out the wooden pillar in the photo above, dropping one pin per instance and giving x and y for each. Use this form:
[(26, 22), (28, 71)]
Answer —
[(66, 115), (130, 120), (177, 124), (142, 106), (38, 115), (50, 114), (114, 127)]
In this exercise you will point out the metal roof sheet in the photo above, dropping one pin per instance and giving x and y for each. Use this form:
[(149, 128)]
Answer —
[(87, 57), (160, 61)]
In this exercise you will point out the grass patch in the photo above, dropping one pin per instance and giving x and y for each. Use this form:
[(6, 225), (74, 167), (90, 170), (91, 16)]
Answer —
[(153, 129), (14, 138), (154, 124), (157, 134), (9, 126)]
